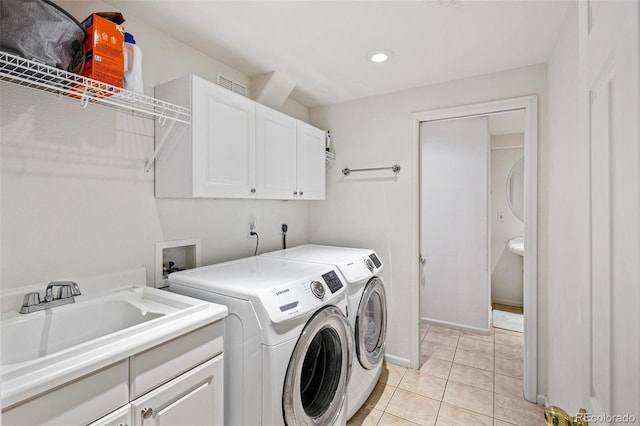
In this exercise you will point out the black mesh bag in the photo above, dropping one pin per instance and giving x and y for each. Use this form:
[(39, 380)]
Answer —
[(41, 31)]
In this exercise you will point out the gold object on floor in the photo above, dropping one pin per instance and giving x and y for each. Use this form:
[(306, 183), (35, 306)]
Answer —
[(556, 416)]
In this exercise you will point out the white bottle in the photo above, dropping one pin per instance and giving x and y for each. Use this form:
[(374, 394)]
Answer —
[(132, 65)]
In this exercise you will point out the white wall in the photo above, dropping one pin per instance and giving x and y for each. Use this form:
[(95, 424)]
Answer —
[(506, 267), (381, 213), (75, 200)]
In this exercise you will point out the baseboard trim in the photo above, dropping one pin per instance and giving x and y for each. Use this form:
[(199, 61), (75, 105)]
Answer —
[(461, 327), (543, 400), (507, 302), (393, 359)]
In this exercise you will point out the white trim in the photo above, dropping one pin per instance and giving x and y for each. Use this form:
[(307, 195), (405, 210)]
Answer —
[(543, 400), (415, 277), (487, 200), (397, 360), (497, 148), (484, 331), (530, 106), (507, 302)]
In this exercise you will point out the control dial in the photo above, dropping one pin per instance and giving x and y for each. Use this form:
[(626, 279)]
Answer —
[(369, 264), (317, 289)]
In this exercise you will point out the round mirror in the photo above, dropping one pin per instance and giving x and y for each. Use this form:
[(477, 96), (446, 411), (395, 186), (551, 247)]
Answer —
[(515, 189)]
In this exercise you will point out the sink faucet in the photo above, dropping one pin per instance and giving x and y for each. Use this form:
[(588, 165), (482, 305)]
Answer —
[(57, 293)]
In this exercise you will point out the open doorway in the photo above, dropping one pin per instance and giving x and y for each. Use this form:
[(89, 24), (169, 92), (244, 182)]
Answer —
[(473, 302), (506, 217)]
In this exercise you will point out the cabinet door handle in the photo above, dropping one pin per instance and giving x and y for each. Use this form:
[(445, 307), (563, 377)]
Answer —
[(146, 413), (295, 193), (301, 193), (253, 190)]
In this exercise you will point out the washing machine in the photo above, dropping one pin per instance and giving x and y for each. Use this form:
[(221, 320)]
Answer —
[(367, 310), (288, 343)]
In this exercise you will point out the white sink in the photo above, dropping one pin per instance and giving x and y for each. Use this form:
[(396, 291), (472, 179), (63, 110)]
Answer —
[(35, 335), (43, 349), (516, 245)]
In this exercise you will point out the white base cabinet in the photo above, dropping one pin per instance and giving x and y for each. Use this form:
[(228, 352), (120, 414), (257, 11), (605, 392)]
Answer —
[(235, 148), (180, 382), (195, 399)]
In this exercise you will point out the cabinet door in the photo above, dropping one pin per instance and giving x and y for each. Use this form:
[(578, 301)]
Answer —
[(311, 162), (194, 398), (224, 142), (275, 154), (121, 417)]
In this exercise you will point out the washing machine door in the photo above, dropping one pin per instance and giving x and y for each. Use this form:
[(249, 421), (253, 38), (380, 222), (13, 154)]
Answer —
[(371, 324), (318, 372)]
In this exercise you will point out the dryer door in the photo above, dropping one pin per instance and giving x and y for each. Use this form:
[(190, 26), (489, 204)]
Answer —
[(371, 324), (318, 372)]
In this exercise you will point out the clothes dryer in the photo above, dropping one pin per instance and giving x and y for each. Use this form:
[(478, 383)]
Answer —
[(287, 345), (367, 310)]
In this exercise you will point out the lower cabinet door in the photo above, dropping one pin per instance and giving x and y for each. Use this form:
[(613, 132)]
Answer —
[(195, 398), (121, 417)]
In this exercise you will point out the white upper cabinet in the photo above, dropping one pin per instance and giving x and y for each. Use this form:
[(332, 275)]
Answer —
[(215, 156), (224, 142), (275, 154), (235, 148), (311, 162)]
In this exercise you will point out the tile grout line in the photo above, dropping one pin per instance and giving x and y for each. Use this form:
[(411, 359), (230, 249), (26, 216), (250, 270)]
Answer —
[(449, 379), (446, 385)]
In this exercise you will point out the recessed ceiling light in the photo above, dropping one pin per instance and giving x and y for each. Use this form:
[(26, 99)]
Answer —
[(379, 56)]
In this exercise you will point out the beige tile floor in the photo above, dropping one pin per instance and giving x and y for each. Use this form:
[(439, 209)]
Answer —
[(466, 379)]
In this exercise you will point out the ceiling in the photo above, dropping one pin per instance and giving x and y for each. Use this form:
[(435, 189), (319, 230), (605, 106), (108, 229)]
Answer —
[(322, 44)]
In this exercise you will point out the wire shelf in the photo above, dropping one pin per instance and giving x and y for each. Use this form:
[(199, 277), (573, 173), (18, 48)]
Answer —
[(24, 72)]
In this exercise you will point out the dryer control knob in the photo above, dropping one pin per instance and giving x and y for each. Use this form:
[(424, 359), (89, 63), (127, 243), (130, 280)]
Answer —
[(369, 264), (318, 289)]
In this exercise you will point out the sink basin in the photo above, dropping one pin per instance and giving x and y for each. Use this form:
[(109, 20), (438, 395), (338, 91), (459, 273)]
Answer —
[(42, 333), (516, 245), (44, 349)]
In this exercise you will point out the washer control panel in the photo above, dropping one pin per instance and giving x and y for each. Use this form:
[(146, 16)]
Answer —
[(369, 264), (361, 268), (297, 298), (333, 281), (317, 289)]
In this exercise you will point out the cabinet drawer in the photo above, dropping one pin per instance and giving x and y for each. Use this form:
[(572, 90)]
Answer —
[(195, 398), (162, 363), (75, 403)]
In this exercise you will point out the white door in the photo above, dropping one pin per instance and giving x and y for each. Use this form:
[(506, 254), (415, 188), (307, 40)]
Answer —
[(275, 154), (311, 162), (195, 398), (609, 81), (224, 142), (454, 222)]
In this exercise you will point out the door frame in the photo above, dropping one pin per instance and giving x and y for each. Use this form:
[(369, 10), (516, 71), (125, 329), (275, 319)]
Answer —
[(530, 106)]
